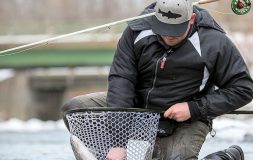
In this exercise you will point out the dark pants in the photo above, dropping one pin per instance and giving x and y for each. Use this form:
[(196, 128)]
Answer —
[(184, 144)]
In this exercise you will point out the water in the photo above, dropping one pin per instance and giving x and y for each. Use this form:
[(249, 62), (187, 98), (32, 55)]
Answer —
[(45, 145), (36, 140)]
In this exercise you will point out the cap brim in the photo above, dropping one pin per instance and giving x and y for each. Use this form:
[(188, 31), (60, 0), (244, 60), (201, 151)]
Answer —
[(173, 30)]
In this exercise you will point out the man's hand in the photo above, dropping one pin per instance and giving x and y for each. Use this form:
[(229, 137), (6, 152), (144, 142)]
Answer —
[(179, 112), (117, 153)]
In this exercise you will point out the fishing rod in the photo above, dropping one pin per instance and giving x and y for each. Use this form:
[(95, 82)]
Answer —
[(241, 112), (76, 33), (238, 6)]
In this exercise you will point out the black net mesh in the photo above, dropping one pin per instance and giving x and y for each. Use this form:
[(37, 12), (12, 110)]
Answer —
[(101, 131)]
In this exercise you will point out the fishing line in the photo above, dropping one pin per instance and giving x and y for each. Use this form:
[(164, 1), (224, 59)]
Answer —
[(39, 45), (46, 43)]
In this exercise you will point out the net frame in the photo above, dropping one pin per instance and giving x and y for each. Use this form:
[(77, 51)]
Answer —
[(112, 109), (145, 144)]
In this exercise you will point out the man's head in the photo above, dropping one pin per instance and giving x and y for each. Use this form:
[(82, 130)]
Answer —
[(172, 20)]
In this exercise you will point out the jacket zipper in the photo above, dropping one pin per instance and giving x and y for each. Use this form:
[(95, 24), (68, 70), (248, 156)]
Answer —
[(162, 65)]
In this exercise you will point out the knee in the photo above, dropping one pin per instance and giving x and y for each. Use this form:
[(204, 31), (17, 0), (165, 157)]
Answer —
[(180, 150), (184, 153), (191, 153), (73, 103), (96, 99)]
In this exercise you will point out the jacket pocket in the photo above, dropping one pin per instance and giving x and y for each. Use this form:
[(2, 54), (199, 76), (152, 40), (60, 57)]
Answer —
[(166, 127)]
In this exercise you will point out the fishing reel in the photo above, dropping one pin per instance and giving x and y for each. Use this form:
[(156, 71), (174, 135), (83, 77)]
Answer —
[(240, 7)]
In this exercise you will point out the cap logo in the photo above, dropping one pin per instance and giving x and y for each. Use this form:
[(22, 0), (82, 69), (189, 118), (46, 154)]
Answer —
[(169, 14)]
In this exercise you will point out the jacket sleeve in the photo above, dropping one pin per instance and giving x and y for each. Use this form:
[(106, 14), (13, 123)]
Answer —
[(235, 87), (123, 73)]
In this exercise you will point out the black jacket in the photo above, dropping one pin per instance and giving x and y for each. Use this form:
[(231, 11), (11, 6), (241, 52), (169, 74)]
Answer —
[(207, 58)]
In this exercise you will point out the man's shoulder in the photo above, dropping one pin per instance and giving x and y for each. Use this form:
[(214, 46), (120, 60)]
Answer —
[(212, 34), (142, 23)]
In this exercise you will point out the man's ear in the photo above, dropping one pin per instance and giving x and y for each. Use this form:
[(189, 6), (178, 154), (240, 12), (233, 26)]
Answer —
[(193, 17)]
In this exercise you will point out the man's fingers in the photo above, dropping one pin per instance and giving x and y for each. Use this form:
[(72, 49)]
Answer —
[(172, 116), (168, 113)]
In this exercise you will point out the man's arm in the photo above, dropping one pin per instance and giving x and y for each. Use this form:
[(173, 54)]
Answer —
[(123, 73), (235, 85)]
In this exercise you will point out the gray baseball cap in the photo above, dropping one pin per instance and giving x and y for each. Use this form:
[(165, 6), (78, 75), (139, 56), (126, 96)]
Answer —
[(171, 17)]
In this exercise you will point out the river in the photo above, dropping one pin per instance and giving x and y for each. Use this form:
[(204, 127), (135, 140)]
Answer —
[(38, 140)]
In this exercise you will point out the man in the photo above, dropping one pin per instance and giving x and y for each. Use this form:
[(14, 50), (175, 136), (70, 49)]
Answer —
[(172, 61)]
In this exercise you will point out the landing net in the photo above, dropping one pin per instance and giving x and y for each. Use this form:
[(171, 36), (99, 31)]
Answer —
[(102, 130)]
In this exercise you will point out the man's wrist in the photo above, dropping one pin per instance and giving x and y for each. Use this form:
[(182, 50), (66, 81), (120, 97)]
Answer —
[(194, 110)]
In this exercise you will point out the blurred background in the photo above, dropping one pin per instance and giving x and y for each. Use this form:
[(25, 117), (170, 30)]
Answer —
[(35, 83)]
